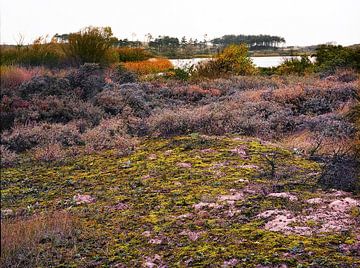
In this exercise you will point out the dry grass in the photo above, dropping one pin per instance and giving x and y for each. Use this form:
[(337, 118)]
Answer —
[(150, 66), (12, 77), (22, 239), (310, 143)]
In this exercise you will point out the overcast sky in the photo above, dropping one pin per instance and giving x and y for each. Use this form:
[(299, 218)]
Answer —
[(302, 22)]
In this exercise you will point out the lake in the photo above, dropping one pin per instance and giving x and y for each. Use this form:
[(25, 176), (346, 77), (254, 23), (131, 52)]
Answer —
[(258, 61)]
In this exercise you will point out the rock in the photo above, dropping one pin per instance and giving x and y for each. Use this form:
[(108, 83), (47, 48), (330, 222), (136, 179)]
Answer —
[(83, 199), (284, 195), (269, 213), (152, 157), (316, 200), (240, 150), (230, 263), (146, 233), (208, 151), (119, 206), (248, 166), (344, 204), (168, 152), (184, 165), (231, 197), (242, 180), (7, 212), (193, 236), (155, 241)]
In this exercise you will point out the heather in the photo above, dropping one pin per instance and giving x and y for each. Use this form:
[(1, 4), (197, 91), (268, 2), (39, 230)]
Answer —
[(136, 164)]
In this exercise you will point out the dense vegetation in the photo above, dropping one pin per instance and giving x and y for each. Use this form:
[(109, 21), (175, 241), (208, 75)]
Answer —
[(253, 41), (113, 158)]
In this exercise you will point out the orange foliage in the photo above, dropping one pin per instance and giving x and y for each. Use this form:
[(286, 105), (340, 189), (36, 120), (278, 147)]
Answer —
[(150, 66)]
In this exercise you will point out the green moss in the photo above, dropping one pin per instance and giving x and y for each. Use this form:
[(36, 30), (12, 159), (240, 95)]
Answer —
[(160, 196)]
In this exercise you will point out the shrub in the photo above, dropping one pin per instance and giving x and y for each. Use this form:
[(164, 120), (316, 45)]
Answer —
[(44, 86), (151, 66), (180, 74), (62, 110), (21, 239), (89, 79), (127, 97), (11, 108), (110, 134), (341, 171), (26, 137), (329, 58), (296, 66), (120, 75), (48, 153), (133, 54), (8, 158), (233, 60), (91, 45), (51, 109)]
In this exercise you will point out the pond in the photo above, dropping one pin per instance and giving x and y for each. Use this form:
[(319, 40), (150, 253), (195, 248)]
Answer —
[(258, 61)]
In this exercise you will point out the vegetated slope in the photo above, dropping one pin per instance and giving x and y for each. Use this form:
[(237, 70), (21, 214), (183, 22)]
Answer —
[(199, 201)]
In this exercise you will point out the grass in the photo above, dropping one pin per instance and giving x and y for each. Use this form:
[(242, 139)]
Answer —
[(24, 240)]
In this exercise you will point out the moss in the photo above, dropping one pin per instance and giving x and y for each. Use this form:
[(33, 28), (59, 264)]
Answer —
[(159, 198)]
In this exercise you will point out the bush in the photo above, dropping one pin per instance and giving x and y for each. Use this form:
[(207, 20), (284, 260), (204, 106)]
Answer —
[(8, 158), (120, 75), (110, 134), (48, 153), (45, 86), (91, 45), (65, 109), (341, 171), (89, 79), (329, 58), (51, 109), (296, 66), (133, 54), (126, 97), (234, 60), (23, 138)]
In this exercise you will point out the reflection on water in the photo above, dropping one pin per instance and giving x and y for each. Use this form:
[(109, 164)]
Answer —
[(258, 61)]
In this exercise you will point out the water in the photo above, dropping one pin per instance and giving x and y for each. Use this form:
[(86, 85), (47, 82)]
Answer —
[(258, 61)]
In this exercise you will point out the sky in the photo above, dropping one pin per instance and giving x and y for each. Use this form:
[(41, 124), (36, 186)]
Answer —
[(305, 22)]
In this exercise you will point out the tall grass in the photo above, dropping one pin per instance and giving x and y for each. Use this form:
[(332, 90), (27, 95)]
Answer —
[(21, 239), (91, 45), (39, 53), (133, 54), (12, 76)]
